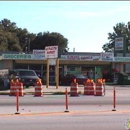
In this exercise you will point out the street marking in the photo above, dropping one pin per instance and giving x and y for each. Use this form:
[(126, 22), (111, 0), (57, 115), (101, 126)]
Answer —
[(68, 113)]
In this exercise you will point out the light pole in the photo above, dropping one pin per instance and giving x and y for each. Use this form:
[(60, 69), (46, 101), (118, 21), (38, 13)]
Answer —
[(26, 50), (28, 45)]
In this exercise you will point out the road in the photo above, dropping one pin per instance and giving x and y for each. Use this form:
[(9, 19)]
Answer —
[(56, 103), (48, 112), (63, 121)]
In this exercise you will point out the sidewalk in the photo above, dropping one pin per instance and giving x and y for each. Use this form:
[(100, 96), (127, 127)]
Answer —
[(49, 90), (61, 89)]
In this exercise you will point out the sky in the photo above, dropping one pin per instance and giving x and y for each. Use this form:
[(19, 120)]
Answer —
[(85, 24)]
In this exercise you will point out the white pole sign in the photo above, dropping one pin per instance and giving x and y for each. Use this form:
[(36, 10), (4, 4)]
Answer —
[(51, 52), (119, 43)]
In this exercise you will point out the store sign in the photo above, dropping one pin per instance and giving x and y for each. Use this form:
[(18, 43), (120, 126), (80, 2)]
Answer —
[(119, 43), (38, 54), (72, 57), (85, 58), (17, 56), (107, 56), (96, 58), (76, 57), (122, 59), (51, 52), (63, 57)]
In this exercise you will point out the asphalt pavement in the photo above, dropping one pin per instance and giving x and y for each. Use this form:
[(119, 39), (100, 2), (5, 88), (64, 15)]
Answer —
[(48, 112)]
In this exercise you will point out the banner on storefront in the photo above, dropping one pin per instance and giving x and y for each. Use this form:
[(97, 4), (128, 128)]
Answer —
[(76, 57), (122, 59), (107, 56), (17, 56), (38, 54)]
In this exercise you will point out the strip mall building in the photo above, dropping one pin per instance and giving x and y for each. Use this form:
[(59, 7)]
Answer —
[(92, 65)]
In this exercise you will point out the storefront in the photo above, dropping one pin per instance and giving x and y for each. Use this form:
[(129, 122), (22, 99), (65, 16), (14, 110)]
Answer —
[(89, 65)]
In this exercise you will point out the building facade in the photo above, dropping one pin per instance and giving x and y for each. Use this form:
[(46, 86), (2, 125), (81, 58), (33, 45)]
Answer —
[(91, 65)]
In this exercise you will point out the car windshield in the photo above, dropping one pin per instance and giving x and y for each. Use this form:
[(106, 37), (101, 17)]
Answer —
[(27, 73), (80, 76)]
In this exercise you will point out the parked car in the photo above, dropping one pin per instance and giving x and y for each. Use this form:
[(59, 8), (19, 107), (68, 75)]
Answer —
[(66, 80), (27, 77)]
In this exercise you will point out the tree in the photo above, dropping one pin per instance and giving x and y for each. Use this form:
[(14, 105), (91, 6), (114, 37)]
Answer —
[(9, 40), (119, 30), (3, 41), (13, 38), (49, 39), (8, 25), (25, 37)]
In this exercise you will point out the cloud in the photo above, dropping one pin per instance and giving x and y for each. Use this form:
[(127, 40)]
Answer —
[(59, 8), (102, 13), (70, 11), (118, 9)]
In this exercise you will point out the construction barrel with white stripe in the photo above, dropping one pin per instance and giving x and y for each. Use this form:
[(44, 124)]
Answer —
[(89, 87), (99, 89), (38, 88), (12, 88), (74, 88), (20, 88)]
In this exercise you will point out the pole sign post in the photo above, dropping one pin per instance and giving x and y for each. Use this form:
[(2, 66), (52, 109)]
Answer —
[(119, 43), (51, 51)]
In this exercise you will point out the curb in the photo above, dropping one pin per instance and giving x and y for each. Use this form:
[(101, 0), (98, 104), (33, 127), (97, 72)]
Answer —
[(32, 93)]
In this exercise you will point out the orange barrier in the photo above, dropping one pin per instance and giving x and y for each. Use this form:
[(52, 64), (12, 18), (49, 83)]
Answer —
[(74, 88), (114, 99), (103, 81), (99, 88), (12, 88), (66, 100), (20, 88), (89, 87), (38, 88)]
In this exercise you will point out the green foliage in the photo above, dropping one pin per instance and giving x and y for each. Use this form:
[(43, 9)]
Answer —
[(13, 38), (49, 39), (119, 30)]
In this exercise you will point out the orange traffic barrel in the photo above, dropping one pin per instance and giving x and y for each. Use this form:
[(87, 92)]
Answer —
[(20, 88), (12, 88), (89, 88), (38, 88), (99, 89), (74, 88)]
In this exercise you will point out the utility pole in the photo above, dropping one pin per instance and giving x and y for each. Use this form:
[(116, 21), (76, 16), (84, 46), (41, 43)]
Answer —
[(28, 45)]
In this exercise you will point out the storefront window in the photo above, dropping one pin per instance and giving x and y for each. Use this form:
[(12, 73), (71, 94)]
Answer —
[(107, 74), (73, 70)]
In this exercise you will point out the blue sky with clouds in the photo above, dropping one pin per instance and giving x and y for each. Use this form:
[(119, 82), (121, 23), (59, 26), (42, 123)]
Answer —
[(85, 24)]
